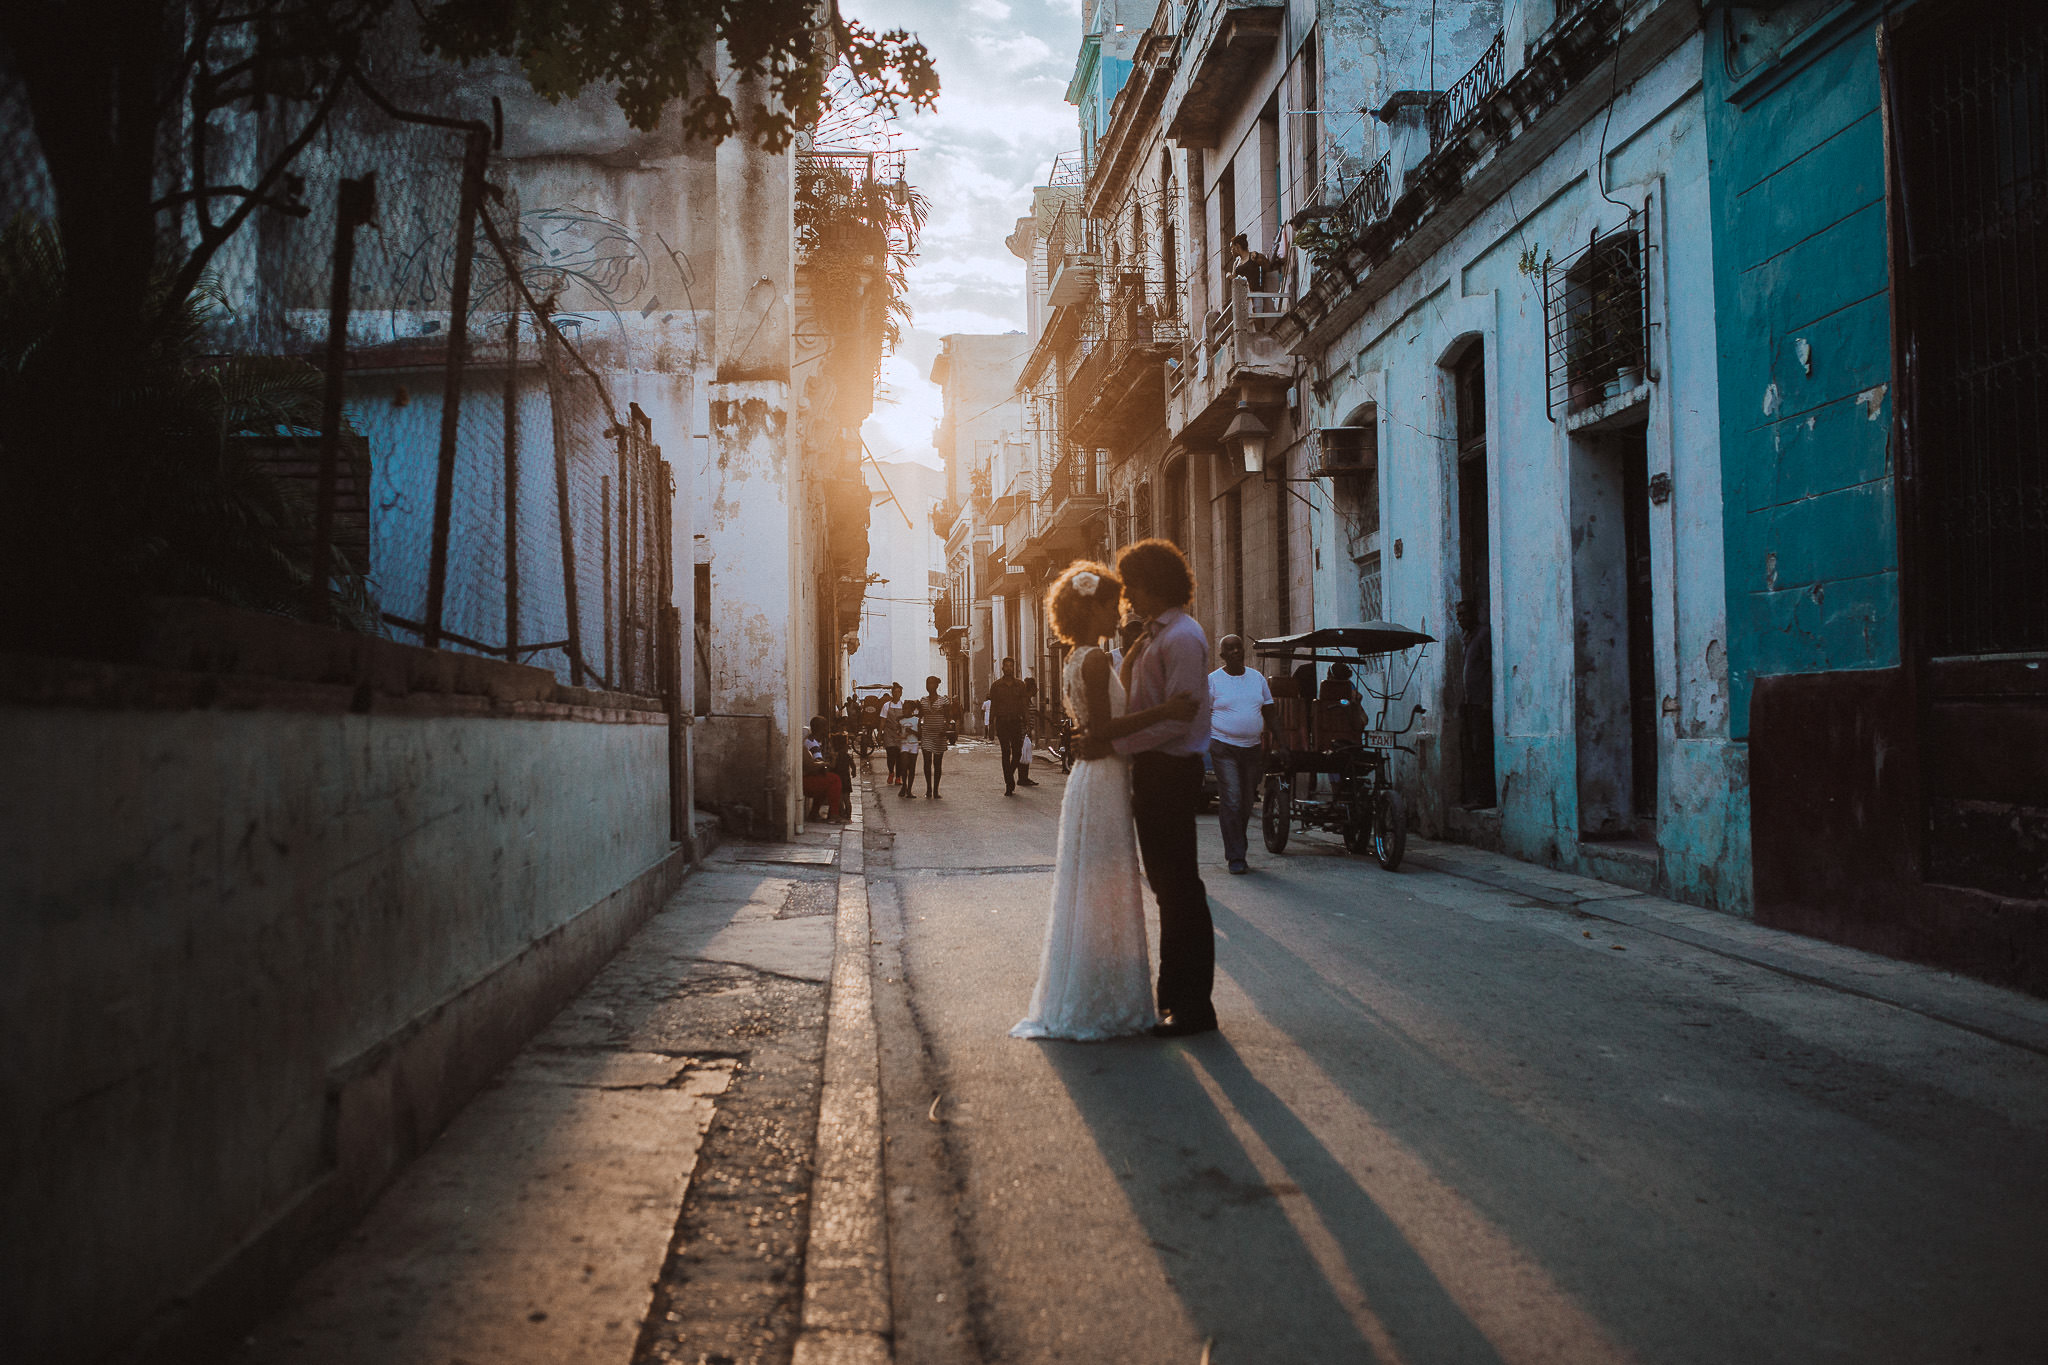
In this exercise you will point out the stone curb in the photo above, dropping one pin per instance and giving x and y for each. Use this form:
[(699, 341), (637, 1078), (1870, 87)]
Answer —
[(846, 1311), (1997, 1013)]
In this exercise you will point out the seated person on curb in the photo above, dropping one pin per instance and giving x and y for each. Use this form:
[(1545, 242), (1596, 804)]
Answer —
[(820, 782)]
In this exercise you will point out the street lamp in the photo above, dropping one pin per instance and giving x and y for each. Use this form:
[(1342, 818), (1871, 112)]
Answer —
[(1249, 435)]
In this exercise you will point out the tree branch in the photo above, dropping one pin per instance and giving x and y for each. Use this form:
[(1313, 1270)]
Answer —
[(210, 242)]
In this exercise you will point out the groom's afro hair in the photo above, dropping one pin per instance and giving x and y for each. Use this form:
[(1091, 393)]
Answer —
[(1069, 606), (1158, 568)]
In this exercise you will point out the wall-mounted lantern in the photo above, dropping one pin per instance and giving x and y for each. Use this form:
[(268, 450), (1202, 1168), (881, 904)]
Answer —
[(1247, 435)]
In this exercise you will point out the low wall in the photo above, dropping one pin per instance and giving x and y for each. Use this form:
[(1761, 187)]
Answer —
[(1839, 821), (263, 936)]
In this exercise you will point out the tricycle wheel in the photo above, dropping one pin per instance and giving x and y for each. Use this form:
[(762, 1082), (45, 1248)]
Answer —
[(1390, 830), (1358, 825), (1273, 814)]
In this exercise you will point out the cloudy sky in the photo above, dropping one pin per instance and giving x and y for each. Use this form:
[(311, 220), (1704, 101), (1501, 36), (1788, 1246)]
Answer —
[(1002, 117)]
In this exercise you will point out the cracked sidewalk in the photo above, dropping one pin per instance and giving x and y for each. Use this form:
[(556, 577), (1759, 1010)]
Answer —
[(636, 1184)]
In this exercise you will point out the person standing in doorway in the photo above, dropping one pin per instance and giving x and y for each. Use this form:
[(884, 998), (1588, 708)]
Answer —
[(1170, 656), (933, 713), (1241, 707), (1009, 704)]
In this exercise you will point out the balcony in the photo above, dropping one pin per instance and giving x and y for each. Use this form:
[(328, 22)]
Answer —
[(1465, 104), (847, 503), (1237, 355), (1119, 389), (1451, 157), (1072, 254), (1222, 45), (1074, 499)]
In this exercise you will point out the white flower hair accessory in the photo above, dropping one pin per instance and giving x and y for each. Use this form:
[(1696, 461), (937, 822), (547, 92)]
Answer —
[(1087, 582)]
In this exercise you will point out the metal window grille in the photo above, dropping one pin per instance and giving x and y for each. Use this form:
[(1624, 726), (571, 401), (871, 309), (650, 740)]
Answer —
[(1596, 318), (1972, 115)]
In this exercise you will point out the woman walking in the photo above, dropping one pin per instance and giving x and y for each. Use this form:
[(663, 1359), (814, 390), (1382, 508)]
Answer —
[(933, 712)]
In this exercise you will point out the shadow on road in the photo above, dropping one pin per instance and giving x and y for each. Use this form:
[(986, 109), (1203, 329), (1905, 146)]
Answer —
[(1274, 1249)]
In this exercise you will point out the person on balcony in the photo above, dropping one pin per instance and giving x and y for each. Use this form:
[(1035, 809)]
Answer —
[(1248, 265)]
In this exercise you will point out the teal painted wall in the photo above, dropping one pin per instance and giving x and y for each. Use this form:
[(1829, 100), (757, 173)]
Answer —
[(1802, 302)]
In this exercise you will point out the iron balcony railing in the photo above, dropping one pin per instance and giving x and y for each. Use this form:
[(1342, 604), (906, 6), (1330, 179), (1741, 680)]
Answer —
[(1078, 474), (1071, 236), (1370, 199), (1069, 168), (1140, 316), (1454, 110)]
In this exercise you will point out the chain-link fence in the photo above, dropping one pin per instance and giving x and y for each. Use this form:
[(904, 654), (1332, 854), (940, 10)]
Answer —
[(462, 474), (527, 516)]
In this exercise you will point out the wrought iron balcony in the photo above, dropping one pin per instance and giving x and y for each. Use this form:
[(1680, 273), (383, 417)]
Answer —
[(1370, 199), (1073, 246), (1118, 387), (1461, 105), (1069, 168)]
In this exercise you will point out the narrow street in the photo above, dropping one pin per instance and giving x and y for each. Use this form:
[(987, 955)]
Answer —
[(1471, 1111)]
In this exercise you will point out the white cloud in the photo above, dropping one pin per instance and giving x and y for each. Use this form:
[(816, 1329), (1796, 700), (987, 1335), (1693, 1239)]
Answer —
[(1002, 118)]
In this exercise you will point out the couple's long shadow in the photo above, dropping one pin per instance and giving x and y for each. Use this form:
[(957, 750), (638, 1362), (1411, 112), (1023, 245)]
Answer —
[(1246, 1273)]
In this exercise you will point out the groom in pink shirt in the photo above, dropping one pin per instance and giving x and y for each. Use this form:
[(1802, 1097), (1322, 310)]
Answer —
[(1166, 777)]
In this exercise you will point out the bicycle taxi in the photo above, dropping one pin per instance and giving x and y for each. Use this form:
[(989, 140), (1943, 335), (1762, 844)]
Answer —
[(1330, 766)]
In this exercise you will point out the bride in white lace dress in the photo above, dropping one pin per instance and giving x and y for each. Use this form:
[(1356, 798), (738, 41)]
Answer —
[(1095, 974)]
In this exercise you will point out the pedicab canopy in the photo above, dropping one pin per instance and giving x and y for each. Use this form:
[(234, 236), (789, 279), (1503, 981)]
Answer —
[(1341, 644)]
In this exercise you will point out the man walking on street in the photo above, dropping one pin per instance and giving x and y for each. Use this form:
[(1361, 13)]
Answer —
[(1170, 657), (1241, 705), (1009, 702)]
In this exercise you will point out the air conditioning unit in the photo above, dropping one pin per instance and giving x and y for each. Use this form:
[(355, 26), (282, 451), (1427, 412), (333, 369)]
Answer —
[(1346, 450)]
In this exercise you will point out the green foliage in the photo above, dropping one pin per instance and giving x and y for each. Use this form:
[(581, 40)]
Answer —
[(1323, 239), (852, 230), (653, 52)]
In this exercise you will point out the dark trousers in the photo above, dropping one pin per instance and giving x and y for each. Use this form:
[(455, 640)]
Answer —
[(1165, 792), (1010, 733)]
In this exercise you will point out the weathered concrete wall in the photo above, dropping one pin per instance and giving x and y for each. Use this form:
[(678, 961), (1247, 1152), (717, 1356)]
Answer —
[(746, 744), (261, 940), (1553, 700), (1806, 414)]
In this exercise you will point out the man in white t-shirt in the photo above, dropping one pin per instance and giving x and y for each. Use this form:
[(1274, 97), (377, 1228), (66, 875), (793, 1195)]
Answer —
[(1240, 706)]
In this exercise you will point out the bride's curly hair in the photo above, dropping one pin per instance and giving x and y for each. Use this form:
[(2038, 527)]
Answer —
[(1068, 603)]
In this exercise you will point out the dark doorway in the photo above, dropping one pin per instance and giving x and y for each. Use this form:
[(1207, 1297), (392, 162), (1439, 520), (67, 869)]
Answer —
[(1173, 506), (1969, 114), (1634, 454), (1614, 658), (1474, 611)]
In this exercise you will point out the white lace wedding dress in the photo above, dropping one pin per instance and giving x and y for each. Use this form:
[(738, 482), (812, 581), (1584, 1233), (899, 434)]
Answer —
[(1095, 974)]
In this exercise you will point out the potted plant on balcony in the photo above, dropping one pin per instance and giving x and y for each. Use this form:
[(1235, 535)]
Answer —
[(1582, 366)]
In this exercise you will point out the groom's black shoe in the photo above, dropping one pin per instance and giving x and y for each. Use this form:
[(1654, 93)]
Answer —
[(1179, 1026)]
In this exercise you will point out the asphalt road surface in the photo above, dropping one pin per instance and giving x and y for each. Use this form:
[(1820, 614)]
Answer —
[(1469, 1112)]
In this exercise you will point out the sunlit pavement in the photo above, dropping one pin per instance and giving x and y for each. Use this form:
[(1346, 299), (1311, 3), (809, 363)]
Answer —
[(1444, 1121)]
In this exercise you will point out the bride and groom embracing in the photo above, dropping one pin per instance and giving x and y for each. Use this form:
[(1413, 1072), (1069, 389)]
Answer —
[(1144, 724)]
